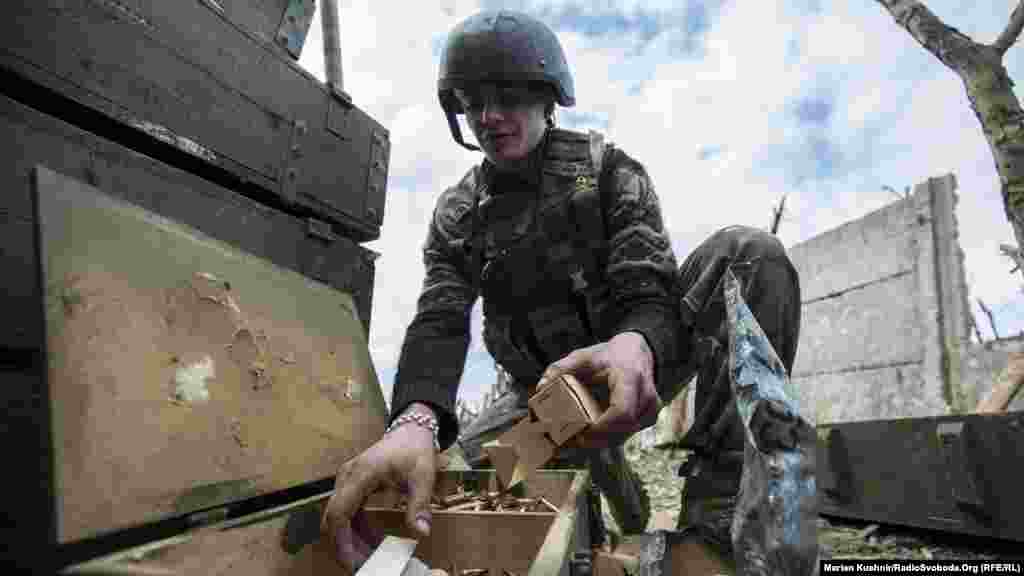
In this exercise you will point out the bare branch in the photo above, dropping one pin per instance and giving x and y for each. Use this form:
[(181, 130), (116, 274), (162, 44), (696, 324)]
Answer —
[(1012, 32), (991, 319), (946, 43), (777, 215)]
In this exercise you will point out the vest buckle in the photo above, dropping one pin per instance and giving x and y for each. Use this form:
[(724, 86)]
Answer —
[(579, 283)]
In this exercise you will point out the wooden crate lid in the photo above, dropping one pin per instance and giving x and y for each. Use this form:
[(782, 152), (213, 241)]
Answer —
[(185, 374)]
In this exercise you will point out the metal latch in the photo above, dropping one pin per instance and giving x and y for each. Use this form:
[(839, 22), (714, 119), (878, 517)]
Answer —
[(839, 483), (320, 229)]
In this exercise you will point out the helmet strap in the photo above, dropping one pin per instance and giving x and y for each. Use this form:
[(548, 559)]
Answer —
[(453, 125), (549, 114)]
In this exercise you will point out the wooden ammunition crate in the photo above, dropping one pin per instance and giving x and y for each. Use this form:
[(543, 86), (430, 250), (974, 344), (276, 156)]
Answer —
[(963, 474), (186, 74), (168, 360), (517, 543), (29, 138), (183, 373)]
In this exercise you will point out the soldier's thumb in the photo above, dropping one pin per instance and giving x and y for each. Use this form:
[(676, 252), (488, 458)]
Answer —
[(421, 488)]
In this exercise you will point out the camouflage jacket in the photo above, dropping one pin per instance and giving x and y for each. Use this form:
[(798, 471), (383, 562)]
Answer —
[(548, 285)]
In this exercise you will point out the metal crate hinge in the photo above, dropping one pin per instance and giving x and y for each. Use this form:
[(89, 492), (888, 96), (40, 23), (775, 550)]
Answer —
[(292, 156), (315, 259), (960, 472), (320, 229)]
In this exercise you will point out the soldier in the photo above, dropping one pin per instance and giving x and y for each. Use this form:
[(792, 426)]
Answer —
[(561, 235)]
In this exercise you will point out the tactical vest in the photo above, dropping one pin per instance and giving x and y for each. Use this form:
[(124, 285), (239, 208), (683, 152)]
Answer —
[(539, 256)]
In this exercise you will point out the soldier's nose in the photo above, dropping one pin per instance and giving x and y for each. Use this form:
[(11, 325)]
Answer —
[(491, 114)]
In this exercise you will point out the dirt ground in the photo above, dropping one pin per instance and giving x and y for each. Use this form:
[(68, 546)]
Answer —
[(839, 538)]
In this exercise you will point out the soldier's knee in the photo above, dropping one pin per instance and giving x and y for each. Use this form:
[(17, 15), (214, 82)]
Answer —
[(744, 243)]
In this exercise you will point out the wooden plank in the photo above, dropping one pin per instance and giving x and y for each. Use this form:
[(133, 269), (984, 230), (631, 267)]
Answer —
[(558, 541), (184, 373)]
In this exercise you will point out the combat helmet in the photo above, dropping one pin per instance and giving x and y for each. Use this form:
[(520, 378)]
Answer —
[(500, 46)]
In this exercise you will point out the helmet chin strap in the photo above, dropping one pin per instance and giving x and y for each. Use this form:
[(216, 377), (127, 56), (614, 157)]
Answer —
[(453, 125)]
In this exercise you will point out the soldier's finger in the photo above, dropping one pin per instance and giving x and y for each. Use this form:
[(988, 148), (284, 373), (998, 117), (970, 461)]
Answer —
[(359, 554), (363, 550), (366, 534), (622, 418), (421, 488), (611, 429), (352, 490), (581, 363)]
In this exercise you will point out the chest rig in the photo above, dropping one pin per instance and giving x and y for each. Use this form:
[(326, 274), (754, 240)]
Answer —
[(538, 256)]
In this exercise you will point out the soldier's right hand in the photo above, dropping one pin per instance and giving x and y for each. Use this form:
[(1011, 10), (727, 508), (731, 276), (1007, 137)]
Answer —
[(404, 460)]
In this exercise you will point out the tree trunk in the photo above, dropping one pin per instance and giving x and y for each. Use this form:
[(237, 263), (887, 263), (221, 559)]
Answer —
[(989, 90)]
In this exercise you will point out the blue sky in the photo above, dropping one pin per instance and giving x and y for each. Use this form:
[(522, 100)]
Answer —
[(728, 104)]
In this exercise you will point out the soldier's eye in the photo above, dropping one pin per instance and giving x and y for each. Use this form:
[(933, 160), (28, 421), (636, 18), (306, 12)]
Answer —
[(513, 98), (506, 98), (469, 101)]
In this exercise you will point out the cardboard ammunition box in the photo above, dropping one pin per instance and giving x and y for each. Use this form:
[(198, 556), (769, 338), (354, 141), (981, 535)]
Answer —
[(514, 542), (562, 409)]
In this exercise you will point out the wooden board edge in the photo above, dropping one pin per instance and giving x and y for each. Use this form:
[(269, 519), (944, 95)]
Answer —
[(558, 542)]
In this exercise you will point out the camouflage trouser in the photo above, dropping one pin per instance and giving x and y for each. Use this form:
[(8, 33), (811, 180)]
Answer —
[(771, 290)]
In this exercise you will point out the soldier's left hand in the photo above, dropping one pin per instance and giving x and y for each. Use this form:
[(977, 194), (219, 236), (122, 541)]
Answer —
[(625, 364)]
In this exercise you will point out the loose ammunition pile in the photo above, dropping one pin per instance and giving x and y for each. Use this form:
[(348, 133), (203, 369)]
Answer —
[(471, 501), (454, 571)]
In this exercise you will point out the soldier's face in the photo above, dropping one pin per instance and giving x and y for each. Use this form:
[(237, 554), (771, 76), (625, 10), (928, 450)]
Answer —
[(508, 121)]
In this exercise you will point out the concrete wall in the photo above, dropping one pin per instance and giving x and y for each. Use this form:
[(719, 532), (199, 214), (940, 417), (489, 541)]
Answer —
[(884, 313), (884, 324)]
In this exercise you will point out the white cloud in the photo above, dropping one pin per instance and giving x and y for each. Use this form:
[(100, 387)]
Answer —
[(898, 117)]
